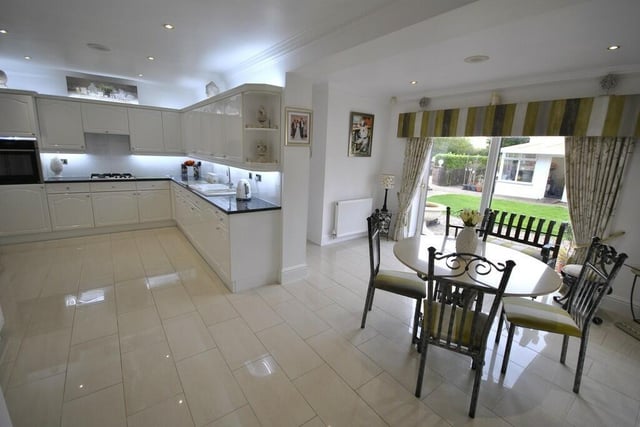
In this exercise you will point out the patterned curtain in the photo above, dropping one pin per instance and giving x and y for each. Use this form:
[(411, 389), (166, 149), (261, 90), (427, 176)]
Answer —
[(415, 156), (594, 170)]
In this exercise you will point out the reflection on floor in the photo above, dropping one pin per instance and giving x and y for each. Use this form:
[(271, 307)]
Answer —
[(134, 329)]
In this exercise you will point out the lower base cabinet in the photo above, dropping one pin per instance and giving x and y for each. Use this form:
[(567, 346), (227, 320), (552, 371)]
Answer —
[(242, 248), (24, 210), (115, 208), (154, 205), (70, 211)]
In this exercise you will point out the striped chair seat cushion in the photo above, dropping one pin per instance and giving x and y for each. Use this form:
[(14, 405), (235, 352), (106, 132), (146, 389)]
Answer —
[(400, 282), (531, 314), (466, 339)]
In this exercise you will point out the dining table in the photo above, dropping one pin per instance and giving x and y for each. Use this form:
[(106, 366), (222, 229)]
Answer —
[(530, 276)]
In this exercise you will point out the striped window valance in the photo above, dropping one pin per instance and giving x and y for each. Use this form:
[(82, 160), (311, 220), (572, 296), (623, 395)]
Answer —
[(595, 116)]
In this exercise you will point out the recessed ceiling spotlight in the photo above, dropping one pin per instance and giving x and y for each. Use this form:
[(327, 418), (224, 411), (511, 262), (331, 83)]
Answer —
[(414, 82), (27, 57), (151, 58), (474, 59), (3, 31), (140, 75), (98, 46), (168, 26), (614, 47)]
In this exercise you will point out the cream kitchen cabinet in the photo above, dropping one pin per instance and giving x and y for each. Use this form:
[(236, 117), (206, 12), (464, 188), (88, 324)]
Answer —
[(228, 241), (24, 210), (70, 206), (17, 115), (154, 201), (97, 118), (145, 130), (114, 203), (60, 124), (171, 132), (238, 128)]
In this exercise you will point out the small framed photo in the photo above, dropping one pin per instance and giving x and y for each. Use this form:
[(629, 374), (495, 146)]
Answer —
[(360, 134), (298, 126)]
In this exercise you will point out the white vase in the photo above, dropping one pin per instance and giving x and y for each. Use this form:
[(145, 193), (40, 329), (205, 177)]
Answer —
[(467, 240), (56, 166)]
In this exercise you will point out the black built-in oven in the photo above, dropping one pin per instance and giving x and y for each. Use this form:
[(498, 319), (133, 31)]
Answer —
[(19, 161)]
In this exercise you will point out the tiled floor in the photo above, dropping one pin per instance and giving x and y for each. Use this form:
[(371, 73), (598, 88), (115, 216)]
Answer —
[(133, 329)]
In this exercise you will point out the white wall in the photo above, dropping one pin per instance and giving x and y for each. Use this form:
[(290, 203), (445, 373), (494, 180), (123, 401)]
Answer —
[(347, 177), (295, 189), (317, 171)]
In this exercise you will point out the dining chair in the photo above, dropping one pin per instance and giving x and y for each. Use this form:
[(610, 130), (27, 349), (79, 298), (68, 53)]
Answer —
[(598, 271), (486, 224), (397, 282), (453, 309)]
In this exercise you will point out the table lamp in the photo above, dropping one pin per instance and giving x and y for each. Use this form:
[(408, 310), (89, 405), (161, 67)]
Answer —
[(387, 183)]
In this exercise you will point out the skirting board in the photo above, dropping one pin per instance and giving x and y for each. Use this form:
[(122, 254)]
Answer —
[(293, 274)]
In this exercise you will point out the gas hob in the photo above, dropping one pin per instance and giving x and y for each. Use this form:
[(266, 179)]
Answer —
[(99, 176)]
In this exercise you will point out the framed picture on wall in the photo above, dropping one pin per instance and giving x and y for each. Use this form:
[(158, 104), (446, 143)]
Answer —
[(360, 134), (298, 126)]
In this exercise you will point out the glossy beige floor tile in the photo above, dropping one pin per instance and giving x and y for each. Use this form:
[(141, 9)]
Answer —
[(254, 310), (41, 356), (351, 364), (334, 401), (104, 408), (273, 398), (187, 335), (237, 343), (272, 326), (93, 365), (149, 376), (396, 405), (292, 354), (304, 321), (140, 328), (95, 315), (133, 295), (211, 389), (172, 301), (37, 403), (240, 417), (217, 309), (173, 412)]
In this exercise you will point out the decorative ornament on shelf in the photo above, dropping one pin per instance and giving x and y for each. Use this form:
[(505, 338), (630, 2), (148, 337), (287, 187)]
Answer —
[(387, 183), (56, 166), (467, 240)]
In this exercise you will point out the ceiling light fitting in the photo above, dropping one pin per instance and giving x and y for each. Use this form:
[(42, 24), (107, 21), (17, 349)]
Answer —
[(99, 47), (614, 47), (27, 57), (3, 31), (140, 75), (414, 82), (168, 26), (474, 59), (151, 58)]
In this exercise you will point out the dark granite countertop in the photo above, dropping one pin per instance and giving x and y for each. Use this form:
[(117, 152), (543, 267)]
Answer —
[(228, 204)]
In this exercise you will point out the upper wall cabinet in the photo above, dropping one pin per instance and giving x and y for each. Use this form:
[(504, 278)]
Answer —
[(17, 115), (60, 124), (171, 132), (98, 118), (145, 128), (155, 131), (240, 128)]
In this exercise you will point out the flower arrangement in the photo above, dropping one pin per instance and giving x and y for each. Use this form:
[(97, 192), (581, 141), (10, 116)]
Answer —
[(470, 217)]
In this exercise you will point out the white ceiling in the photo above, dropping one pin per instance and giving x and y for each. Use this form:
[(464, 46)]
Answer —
[(374, 47)]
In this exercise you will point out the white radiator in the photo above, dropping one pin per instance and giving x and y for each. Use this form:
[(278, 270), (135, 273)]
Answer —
[(351, 217)]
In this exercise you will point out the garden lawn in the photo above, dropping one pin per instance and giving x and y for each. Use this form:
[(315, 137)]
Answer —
[(558, 213)]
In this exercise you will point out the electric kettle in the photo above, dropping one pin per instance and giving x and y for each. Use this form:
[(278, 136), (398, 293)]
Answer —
[(243, 190)]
